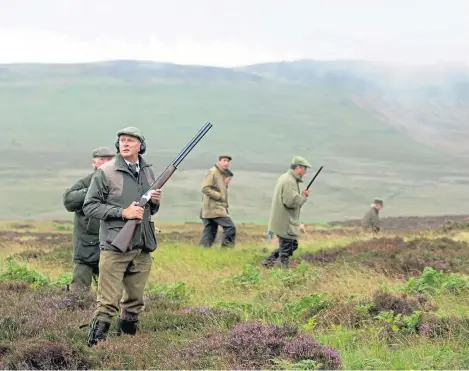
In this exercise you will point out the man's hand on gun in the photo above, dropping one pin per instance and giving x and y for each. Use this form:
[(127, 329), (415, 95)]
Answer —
[(133, 211)]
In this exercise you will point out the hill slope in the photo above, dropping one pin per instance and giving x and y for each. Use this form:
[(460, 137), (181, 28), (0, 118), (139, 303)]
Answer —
[(348, 121), (430, 104)]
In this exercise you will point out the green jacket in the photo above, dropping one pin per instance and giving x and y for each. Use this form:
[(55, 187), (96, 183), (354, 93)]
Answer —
[(215, 194), (114, 188), (286, 204), (85, 229), (371, 220)]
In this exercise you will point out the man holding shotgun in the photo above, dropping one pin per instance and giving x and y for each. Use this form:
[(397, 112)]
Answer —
[(285, 212), (111, 198)]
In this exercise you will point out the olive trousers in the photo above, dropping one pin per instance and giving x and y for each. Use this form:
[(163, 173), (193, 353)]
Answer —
[(117, 271), (83, 275)]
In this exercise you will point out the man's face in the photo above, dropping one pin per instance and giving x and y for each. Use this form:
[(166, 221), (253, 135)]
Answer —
[(378, 206), (99, 161), (227, 180), (301, 170), (224, 163), (129, 146)]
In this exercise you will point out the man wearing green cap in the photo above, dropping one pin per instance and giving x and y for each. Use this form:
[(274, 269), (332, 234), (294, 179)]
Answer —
[(371, 220), (85, 230), (214, 211), (113, 197), (285, 212)]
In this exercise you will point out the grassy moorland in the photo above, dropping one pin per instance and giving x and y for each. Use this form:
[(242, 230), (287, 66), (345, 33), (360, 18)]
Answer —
[(349, 301), (389, 132)]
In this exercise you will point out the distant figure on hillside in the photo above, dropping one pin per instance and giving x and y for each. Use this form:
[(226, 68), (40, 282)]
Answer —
[(285, 212), (113, 198), (214, 211), (85, 230), (370, 221)]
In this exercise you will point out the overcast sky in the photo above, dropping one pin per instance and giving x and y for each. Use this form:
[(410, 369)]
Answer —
[(234, 32)]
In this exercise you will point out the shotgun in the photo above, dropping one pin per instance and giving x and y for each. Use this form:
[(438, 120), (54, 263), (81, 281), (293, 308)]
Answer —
[(123, 238)]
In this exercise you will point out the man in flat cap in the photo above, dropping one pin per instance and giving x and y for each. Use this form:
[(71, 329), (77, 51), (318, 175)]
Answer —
[(214, 211), (113, 198), (85, 230), (285, 212), (370, 221)]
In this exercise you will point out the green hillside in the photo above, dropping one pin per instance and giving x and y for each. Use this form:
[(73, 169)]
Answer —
[(52, 116)]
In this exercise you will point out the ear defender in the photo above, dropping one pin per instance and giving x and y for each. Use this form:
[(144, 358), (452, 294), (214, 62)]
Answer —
[(143, 147)]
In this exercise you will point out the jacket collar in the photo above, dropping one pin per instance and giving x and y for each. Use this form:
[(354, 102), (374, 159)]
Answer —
[(120, 163), (295, 175), (222, 172)]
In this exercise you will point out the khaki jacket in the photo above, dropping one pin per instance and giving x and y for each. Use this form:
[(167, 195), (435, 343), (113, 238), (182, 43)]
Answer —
[(286, 205), (215, 195)]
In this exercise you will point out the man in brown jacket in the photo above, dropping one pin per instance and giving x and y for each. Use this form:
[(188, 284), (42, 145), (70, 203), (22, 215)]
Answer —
[(214, 211)]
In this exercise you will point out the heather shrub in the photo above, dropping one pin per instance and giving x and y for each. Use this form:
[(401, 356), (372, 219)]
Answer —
[(393, 310), (141, 352), (345, 314), (45, 355), (4, 349), (304, 348), (394, 256), (399, 303), (14, 286), (432, 325), (45, 311), (252, 345), (8, 327)]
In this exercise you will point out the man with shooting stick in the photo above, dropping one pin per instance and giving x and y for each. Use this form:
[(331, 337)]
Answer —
[(85, 230), (285, 212), (112, 197), (214, 211), (370, 221)]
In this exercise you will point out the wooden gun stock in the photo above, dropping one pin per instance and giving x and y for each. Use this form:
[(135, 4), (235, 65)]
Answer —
[(124, 237)]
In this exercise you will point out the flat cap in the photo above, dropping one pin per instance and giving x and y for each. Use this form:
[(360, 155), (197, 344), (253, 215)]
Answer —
[(133, 132), (378, 201), (298, 160), (103, 152), (224, 155)]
